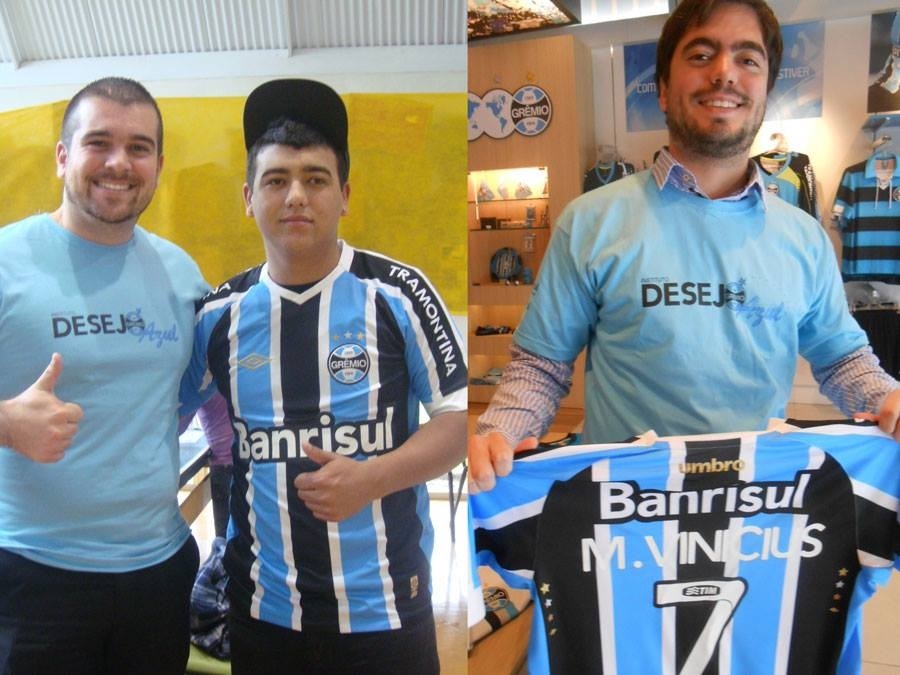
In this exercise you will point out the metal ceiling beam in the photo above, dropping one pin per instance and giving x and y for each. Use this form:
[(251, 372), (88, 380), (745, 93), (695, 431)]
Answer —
[(6, 34)]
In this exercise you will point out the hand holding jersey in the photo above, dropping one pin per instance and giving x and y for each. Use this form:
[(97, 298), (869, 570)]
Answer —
[(491, 456), (36, 423), (888, 416)]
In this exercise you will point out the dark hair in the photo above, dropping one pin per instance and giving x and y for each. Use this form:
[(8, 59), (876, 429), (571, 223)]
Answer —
[(121, 90), (284, 131), (690, 13)]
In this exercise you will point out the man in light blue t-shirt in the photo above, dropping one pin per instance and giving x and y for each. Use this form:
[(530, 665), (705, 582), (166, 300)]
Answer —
[(96, 562), (692, 289)]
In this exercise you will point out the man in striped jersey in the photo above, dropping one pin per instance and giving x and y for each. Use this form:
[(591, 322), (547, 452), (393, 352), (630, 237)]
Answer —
[(324, 353)]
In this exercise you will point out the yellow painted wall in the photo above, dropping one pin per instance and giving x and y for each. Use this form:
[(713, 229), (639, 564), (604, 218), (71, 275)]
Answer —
[(407, 181)]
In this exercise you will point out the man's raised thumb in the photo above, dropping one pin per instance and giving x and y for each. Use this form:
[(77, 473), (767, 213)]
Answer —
[(47, 380), (317, 455)]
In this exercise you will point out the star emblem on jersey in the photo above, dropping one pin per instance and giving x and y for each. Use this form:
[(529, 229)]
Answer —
[(253, 361), (839, 584), (348, 363)]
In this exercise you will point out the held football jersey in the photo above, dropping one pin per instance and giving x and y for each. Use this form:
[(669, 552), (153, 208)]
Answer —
[(344, 365), (698, 555)]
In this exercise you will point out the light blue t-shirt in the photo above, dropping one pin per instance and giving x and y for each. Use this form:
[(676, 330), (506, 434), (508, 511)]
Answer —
[(693, 311), (121, 317)]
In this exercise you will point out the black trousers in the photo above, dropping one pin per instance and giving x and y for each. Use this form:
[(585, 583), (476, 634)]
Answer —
[(59, 622), (261, 648)]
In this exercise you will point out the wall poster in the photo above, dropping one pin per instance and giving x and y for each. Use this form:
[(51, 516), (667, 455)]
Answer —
[(642, 111), (798, 90), (884, 63)]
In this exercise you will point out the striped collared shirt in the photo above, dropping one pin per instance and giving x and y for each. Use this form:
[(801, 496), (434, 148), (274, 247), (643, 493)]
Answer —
[(667, 169)]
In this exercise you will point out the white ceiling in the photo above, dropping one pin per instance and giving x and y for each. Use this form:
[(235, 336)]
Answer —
[(33, 31)]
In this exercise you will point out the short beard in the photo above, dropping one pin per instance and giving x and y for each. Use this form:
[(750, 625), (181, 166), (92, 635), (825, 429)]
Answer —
[(99, 217), (712, 145)]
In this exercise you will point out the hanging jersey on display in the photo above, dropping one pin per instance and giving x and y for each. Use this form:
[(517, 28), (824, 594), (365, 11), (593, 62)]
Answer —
[(745, 553), (603, 174), (790, 176), (867, 211)]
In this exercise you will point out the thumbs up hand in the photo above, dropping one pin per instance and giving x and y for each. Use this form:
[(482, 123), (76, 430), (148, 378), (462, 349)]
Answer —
[(339, 488), (36, 423)]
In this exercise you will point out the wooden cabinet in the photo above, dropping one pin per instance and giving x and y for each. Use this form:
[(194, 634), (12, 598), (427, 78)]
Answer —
[(508, 211), (561, 67)]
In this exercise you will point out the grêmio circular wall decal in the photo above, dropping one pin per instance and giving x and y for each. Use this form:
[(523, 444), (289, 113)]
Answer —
[(498, 113)]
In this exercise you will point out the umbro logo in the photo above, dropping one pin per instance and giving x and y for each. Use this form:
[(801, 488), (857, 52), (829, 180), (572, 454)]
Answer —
[(254, 361)]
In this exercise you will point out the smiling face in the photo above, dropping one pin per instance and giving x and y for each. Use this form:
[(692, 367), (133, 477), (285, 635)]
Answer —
[(297, 200), (715, 95), (110, 169)]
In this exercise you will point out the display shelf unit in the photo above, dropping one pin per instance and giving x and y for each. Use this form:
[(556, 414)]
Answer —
[(507, 209), (518, 185)]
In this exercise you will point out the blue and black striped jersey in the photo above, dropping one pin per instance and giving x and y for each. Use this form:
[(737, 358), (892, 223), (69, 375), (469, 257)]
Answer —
[(750, 553), (867, 210), (344, 365)]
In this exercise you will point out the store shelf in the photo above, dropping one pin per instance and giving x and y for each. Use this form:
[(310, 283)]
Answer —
[(499, 294), (501, 200), (493, 303), (490, 345)]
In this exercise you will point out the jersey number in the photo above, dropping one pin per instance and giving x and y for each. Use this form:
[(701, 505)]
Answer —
[(725, 593)]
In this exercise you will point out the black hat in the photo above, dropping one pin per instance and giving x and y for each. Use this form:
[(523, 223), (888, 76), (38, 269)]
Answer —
[(312, 103)]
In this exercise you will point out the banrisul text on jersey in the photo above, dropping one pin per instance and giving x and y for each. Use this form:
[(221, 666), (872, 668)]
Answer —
[(621, 501), (283, 443)]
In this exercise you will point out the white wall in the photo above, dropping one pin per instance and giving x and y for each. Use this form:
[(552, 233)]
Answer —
[(436, 69)]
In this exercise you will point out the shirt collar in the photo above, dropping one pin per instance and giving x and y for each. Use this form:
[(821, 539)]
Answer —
[(667, 169)]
